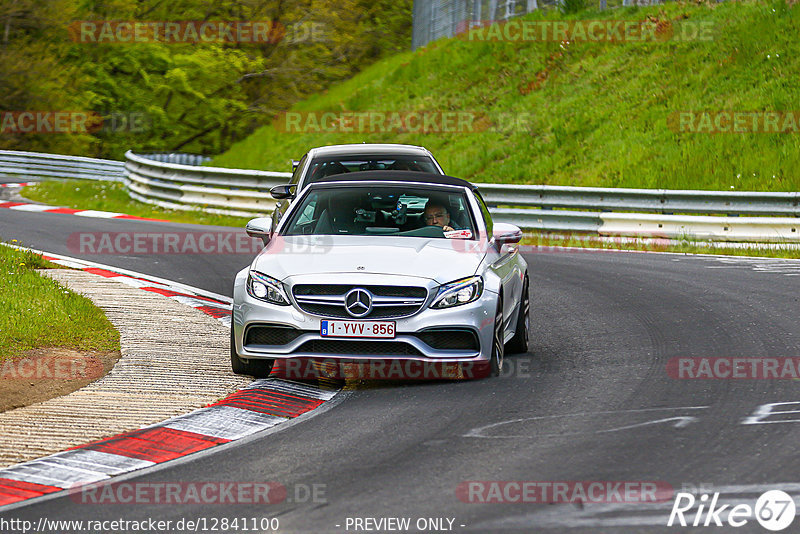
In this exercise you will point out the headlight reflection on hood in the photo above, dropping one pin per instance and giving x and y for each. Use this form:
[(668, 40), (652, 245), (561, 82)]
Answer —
[(458, 292), (266, 288)]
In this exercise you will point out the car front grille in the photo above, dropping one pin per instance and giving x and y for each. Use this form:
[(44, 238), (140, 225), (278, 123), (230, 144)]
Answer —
[(388, 301), (363, 348)]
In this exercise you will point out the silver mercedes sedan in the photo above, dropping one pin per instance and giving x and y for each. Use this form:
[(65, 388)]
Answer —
[(396, 266)]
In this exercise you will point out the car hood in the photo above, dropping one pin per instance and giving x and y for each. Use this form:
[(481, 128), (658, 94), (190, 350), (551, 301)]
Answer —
[(442, 260)]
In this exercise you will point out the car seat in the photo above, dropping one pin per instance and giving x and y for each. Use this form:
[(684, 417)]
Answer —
[(343, 216)]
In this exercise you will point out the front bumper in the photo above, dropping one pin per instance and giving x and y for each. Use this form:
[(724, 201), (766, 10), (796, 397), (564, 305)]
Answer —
[(413, 339)]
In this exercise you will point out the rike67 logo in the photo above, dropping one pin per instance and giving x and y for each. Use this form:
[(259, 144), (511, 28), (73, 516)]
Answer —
[(774, 510)]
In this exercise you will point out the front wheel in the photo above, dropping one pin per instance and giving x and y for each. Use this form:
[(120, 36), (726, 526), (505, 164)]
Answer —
[(486, 369), (498, 347), (252, 367), (519, 343)]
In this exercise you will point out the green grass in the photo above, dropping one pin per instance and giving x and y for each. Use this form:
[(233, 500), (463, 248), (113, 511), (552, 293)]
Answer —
[(113, 196), (660, 245), (586, 113), (39, 312)]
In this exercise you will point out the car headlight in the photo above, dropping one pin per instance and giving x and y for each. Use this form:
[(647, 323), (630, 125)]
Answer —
[(458, 292), (263, 287)]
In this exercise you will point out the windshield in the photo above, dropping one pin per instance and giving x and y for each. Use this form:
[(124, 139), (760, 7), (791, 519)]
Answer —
[(402, 210), (328, 166)]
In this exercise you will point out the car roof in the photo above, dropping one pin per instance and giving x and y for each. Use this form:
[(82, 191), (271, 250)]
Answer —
[(367, 148), (396, 176)]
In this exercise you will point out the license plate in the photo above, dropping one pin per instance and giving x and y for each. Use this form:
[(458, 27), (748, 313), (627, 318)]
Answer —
[(366, 329)]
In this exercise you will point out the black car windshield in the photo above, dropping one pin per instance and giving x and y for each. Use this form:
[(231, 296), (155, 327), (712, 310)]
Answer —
[(402, 210), (327, 166)]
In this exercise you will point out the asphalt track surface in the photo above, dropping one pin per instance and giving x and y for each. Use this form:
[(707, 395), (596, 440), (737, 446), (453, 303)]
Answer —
[(591, 401)]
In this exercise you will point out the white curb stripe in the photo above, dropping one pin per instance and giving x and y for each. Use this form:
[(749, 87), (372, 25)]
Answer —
[(224, 422), (67, 263), (45, 208), (133, 282), (31, 207), (169, 284), (48, 474), (293, 388), (140, 280), (97, 214), (99, 462), (195, 302)]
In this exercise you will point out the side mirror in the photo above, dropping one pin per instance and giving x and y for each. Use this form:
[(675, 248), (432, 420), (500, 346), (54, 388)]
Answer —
[(260, 227), (506, 234), (279, 192), (295, 163)]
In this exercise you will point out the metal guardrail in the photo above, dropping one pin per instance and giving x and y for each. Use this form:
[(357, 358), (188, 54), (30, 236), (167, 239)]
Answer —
[(693, 227), (213, 189), (434, 19), (711, 215), (775, 212), (181, 158), (586, 209), (15, 164), (667, 201)]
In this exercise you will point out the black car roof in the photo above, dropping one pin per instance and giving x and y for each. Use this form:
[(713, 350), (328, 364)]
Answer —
[(396, 176)]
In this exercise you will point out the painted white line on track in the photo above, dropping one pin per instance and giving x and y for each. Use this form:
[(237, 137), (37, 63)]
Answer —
[(479, 432)]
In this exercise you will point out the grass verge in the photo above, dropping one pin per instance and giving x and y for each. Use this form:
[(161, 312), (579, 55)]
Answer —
[(112, 196), (39, 312), (582, 112)]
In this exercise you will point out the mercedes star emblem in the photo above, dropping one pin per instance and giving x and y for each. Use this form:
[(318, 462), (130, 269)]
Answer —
[(358, 302)]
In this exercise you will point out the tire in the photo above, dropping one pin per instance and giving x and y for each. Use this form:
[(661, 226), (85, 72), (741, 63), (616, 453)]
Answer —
[(486, 369), (519, 343), (498, 347), (253, 367)]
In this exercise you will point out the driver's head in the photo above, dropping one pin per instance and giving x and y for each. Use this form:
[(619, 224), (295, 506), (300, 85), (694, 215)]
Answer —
[(436, 214)]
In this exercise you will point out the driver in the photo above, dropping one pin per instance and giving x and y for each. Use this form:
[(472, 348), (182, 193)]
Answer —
[(436, 214)]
